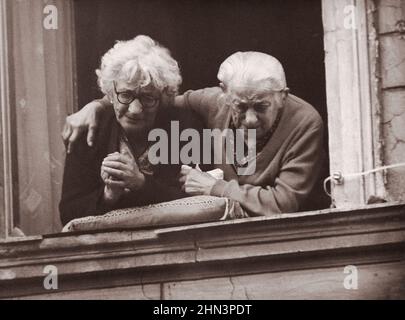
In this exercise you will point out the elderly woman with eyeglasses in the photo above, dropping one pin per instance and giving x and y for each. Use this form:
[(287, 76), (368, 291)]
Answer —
[(140, 79)]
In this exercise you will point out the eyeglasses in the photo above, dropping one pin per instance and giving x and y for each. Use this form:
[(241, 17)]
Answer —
[(127, 97)]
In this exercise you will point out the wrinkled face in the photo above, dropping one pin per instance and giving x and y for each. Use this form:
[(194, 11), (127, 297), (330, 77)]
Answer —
[(135, 107), (254, 109)]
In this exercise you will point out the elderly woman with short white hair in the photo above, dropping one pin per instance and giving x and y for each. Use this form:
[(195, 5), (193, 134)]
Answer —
[(140, 79)]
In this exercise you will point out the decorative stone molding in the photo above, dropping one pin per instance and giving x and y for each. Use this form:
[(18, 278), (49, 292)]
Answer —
[(264, 246)]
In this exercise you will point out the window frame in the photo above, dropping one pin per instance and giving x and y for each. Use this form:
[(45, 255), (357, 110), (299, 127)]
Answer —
[(6, 207), (7, 136), (353, 99)]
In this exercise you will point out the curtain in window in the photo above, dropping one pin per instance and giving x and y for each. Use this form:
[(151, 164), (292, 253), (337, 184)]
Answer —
[(43, 96)]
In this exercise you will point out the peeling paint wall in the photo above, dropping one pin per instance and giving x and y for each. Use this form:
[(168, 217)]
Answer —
[(391, 34)]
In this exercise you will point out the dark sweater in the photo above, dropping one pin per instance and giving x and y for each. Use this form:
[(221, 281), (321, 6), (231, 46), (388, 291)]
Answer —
[(83, 188)]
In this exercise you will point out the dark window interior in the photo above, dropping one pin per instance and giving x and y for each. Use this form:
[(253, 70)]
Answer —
[(202, 33)]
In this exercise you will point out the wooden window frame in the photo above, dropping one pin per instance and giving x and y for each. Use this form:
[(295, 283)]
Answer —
[(7, 170), (353, 103), (6, 205)]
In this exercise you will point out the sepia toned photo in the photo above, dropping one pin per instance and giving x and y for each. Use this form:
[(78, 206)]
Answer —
[(202, 150)]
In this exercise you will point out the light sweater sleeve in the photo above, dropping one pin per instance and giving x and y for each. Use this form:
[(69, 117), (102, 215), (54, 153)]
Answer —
[(298, 174), (203, 101)]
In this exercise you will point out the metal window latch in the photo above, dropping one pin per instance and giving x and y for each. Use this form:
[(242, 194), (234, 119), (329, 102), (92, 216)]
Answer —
[(400, 28), (400, 25), (337, 177)]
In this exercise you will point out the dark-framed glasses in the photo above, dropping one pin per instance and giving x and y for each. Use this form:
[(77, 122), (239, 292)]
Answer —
[(127, 97)]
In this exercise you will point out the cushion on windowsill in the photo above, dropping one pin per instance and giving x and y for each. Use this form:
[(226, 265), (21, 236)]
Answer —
[(189, 210)]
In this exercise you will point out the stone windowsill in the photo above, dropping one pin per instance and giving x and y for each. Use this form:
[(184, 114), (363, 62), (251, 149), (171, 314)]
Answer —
[(252, 245)]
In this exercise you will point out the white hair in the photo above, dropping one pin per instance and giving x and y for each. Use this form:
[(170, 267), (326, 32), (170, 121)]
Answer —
[(251, 68), (140, 59)]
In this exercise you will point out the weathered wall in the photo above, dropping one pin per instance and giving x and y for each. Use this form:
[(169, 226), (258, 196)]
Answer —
[(391, 33), (376, 281)]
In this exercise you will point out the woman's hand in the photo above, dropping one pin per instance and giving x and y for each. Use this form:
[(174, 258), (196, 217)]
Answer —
[(86, 119), (124, 171), (196, 182), (112, 193)]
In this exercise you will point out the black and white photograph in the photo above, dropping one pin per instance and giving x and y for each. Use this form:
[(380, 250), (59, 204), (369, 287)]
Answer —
[(202, 150)]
